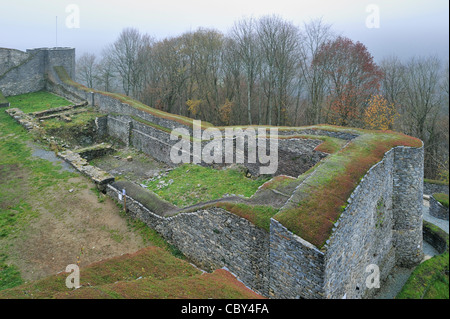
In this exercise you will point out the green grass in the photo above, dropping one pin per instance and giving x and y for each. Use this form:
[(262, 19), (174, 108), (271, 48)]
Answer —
[(193, 184), (429, 280), (22, 176), (78, 120), (37, 101), (441, 198), (9, 275)]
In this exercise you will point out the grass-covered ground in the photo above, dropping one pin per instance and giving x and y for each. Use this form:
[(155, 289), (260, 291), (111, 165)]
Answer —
[(37, 101), (430, 280), (191, 184), (35, 205)]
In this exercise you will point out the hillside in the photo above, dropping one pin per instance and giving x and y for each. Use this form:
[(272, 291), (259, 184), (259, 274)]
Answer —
[(151, 273)]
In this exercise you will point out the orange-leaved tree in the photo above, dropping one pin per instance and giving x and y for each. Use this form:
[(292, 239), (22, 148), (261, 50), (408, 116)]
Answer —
[(380, 114)]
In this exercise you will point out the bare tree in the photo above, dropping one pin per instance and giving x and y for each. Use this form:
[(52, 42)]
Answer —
[(423, 104), (354, 78), (279, 48), (169, 69), (127, 54), (86, 69), (105, 74), (421, 100), (247, 47), (315, 34), (392, 84)]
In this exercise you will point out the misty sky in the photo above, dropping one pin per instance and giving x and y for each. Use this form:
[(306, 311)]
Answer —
[(407, 27)]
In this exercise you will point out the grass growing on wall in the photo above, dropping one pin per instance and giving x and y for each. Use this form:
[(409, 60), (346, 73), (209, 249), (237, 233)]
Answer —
[(333, 182), (258, 215)]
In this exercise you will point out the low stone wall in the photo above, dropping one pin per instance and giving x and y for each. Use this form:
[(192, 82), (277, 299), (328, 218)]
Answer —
[(94, 151), (98, 176), (437, 238), (430, 188), (45, 114), (27, 121), (437, 209)]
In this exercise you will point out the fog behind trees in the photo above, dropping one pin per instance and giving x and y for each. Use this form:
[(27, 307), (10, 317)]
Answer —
[(269, 71)]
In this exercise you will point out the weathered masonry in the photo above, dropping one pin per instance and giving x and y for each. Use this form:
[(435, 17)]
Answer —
[(380, 225)]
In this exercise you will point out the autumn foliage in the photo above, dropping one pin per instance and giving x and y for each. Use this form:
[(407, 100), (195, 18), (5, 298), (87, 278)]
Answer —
[(353, 77), (379, 115)]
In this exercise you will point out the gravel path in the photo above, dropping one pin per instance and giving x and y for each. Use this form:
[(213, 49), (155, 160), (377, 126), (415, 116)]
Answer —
[(399, 276)]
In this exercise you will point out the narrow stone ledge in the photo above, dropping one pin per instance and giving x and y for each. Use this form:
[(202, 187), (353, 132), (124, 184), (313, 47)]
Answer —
[(98, 176)]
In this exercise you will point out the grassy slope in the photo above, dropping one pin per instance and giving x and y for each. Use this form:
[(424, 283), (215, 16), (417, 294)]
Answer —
[(149, 273), (430, 280), (21, 175)]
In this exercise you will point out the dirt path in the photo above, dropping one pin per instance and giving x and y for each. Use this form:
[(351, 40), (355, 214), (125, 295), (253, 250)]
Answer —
[(73, 224)]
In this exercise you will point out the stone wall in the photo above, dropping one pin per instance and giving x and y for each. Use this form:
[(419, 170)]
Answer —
[(362, 235), (27, 72), (11, 58), (26, 77), (279, 264), (296, 266), (382, 224), (408, 205)]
